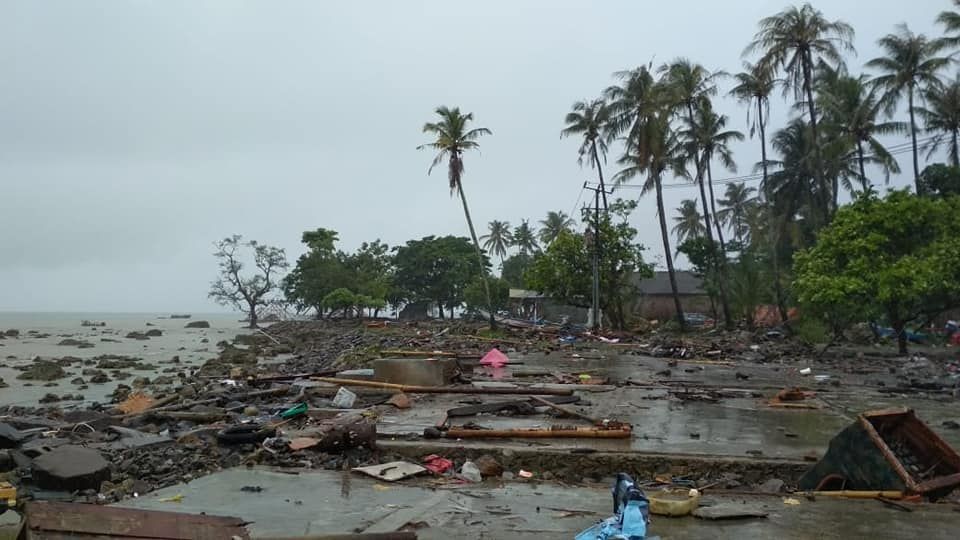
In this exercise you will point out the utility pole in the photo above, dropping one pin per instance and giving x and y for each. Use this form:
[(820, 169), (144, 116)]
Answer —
[(595, 304)]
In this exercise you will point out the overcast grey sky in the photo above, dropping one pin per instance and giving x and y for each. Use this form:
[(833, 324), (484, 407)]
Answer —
[(134, 134)]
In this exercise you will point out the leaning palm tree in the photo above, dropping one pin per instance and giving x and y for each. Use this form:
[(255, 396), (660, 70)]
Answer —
[(654, 149), (590, 120), (795, 41), (553, 225), (735, 207), (525, 239), (951, 22), (687, 222), (452, 139), (941, 116), (851, 108), (910, 66), (499, 238), (754, 86)]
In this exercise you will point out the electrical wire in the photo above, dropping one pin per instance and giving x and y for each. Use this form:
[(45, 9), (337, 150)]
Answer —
[(893, 150)]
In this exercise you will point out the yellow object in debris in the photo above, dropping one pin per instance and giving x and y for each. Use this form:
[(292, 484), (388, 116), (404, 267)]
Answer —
[(673, 501), (791, 501), (8, 494), (176, 498)]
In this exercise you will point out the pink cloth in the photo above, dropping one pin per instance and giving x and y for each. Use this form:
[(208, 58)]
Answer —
[(494, 358)]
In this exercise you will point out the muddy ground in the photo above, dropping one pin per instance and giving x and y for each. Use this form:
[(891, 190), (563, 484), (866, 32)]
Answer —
[(699, 406)]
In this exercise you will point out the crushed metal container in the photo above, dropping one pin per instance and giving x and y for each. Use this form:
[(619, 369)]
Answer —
[(889, 449)]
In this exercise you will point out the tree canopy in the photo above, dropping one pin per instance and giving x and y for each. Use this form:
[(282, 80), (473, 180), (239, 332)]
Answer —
[(896, 258)]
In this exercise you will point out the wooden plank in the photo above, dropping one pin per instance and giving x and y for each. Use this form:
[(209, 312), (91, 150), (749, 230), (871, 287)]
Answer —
[(50, 519)]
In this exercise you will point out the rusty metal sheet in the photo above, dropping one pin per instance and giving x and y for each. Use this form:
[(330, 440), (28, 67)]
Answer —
[(52, 521)]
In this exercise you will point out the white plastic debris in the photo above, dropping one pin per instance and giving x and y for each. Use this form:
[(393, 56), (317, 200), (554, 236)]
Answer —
[(344, 399), (806, 371), (470, 471)]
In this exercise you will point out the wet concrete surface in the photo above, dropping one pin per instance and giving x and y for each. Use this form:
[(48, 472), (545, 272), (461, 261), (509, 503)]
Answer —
[(327, 502), (733, 426)]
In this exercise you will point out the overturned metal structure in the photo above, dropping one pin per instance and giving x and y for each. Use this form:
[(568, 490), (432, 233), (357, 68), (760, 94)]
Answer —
[(886, 450)]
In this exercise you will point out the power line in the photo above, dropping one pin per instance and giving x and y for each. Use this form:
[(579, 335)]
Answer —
[(893, 150)]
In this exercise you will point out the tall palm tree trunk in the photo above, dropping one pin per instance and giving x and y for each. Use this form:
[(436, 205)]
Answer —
[(720, 267), (476, 245), (596, 160), (863, 174), (666, 253), (774, 259), (717, 264), (713, 208), (913, 140), (956, 151), (817, 154), (763, 139)]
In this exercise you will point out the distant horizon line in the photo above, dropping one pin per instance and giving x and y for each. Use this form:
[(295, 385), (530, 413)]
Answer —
[(108, 312)]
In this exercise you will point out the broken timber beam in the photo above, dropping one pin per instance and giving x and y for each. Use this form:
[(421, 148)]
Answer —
[(410, 389), (568, 432)]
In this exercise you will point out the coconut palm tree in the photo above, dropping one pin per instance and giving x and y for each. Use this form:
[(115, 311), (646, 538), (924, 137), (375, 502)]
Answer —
[(714, 141), (499, 238), (653, 149), (553, 225), (795, 41), (590, 120), (851, 108), (735, 207), (942, 117), (951, 22), (452, 137), (754, 86), (525, 238), (910, 66), (688, 223), (634, 102)]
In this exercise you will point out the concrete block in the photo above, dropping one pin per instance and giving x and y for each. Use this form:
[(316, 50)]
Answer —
[(70, 468), (415, 371)]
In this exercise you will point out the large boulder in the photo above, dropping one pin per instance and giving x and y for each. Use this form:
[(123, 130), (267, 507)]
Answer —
[(153, 332), (43, 370), (70, 468), (197, 324)]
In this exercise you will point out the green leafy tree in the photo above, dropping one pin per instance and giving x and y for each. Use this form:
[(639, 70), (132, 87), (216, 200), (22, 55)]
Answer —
[(247, 291), (372, 267), (590, 120), (940, 180), (795, 41), (525, 238), (941, 116), (909, 67), (553, 225), (896, 257), (474, 297), (453, 137), (342, 300), (499, 239), (514, 269), (318, 272), (687, 221), (436, 270), (564, 270)]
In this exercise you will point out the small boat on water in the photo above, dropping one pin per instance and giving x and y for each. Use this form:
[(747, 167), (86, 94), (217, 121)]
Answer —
[(180, 316)]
